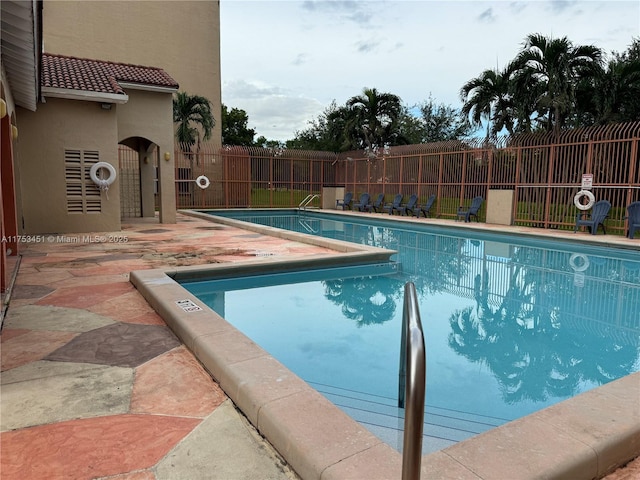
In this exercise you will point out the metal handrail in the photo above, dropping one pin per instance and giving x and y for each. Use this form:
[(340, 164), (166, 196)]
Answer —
[(411, 391), (307, 200), (306, 226)]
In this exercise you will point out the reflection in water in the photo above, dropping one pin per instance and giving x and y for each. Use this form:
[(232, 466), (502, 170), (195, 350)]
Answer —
[(364, 300), (544, 320), (510, 327)]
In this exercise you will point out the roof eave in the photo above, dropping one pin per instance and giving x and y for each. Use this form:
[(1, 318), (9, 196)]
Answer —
[(20, 36), (148, 88), (99, 97)]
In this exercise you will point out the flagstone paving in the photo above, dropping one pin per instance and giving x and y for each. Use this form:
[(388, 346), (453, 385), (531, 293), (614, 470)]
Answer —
[(95, 386)]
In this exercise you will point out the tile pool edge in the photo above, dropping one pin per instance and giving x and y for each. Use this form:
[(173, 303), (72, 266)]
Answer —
[(337, 245), (304, 427), (446, 225), (583, 437)]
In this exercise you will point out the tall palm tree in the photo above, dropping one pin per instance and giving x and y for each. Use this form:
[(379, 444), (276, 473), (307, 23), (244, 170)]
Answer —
[(616, 92), (373, 119), (556, 65), (525, 91), (192, 114), (488, 98)]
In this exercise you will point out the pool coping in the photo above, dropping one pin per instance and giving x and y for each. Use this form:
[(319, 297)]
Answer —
[(586, 436)]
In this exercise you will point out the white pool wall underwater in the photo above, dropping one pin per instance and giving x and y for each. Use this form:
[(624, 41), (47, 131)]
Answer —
[(584, 437)]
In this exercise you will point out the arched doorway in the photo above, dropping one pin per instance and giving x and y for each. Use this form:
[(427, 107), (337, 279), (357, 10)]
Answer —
[(138, 167)]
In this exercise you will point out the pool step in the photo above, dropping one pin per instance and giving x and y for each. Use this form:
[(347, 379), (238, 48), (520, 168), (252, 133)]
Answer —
[(442, 427)]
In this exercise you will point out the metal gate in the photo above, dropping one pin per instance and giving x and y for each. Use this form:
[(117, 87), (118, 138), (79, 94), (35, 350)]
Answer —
[(130, 194)]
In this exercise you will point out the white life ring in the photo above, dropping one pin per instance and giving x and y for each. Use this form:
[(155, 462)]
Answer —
[(103, 183), (584, 262), (584, 193), (203, 182)]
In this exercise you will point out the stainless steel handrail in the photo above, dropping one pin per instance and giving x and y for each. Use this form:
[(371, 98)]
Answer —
[(306, 226), (307, 200), (412, 382)]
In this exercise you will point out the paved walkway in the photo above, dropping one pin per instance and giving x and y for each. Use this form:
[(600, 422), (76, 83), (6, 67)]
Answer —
[(94, 385)]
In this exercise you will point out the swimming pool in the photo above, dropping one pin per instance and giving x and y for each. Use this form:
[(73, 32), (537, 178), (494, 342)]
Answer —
[(514, 324)]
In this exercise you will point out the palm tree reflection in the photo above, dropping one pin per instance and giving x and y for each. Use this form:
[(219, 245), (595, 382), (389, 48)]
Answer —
[(431, 262), (546, 337), (366, 301)]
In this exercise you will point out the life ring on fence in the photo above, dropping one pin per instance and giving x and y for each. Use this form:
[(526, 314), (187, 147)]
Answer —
[(584, 262), (203, 182), (577, 200), (103, 183)]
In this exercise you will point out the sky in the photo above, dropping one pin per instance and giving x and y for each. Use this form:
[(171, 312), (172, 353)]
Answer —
[(285, 61)]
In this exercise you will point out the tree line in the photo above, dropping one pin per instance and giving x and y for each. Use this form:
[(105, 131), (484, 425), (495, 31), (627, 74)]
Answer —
[(552, 84)]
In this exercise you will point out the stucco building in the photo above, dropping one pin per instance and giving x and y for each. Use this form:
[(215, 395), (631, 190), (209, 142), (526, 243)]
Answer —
[(81, 81)]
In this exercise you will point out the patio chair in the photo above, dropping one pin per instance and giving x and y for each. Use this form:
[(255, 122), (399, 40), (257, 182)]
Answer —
[(395, 205), (408, 207), (425, 209), (634, 218), (376, 206), (599, 213), (472, 211), (361, 205), (345, 202)]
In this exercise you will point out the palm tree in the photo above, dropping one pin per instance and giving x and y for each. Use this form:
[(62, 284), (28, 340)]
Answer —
[(192, 114), (556, 65), (525, 91), (616, 92), (373, 119), (488, 98)]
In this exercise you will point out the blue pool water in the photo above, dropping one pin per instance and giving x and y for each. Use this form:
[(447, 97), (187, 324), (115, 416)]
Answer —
[(512, 324)]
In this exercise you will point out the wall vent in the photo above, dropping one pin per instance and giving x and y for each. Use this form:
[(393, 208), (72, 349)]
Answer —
[(83, 196)]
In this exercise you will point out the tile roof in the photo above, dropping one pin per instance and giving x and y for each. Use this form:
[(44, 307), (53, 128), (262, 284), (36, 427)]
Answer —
[(59, 71)]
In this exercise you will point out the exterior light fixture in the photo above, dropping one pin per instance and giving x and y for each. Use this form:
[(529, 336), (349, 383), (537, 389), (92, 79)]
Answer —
[(14, 132), (3, 108), (167, 156), (105, 106)]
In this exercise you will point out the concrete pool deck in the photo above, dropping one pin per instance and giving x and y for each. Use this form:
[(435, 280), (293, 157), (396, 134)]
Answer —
[(127, 399)]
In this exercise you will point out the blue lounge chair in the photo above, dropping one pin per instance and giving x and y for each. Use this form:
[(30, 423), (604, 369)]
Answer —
[(472, 211), (599, 213), (376, 206), (361, 206), (345, 202), (395, 205), (425, 209), (407, 208), (634, 218)]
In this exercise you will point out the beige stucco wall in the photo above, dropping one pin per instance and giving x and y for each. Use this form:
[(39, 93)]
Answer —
[(182, 37), (500, 207), (44, 135), (148, 115)]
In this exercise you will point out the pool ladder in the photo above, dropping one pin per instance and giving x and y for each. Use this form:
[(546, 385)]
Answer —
[(307, 200), (411, 385), (307, 227)]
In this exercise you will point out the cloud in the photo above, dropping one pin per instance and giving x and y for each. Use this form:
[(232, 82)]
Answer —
[(287, 60), (357, 12), (560, 6), (517, 7), (367, 46), (300, 59), (487, 16), (274, 112)]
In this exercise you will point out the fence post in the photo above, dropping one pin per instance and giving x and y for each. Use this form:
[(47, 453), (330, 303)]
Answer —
[(547, 201), (516, 191), (632, 168)]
